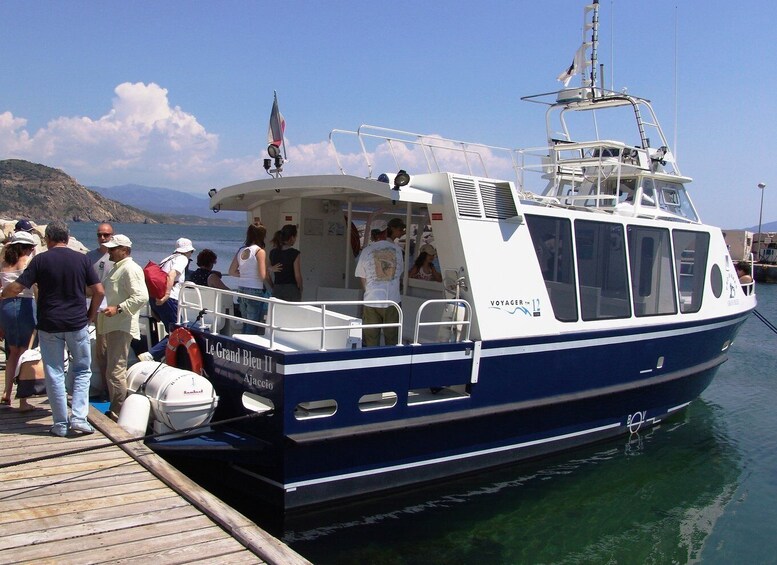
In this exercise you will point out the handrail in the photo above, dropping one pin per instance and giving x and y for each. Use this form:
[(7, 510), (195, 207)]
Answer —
[(273, 329), (453, 323), (427, 143)]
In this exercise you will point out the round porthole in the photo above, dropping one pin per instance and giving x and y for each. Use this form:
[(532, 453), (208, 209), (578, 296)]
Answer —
[(716, 280)]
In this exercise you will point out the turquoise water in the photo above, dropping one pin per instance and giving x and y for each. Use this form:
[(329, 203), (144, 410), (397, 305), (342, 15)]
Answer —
[(701, 487)]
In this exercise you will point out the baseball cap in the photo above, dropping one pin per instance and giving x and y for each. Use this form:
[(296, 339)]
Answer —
[(183, 245), (21, 237), (118, 240), (23, 225), (427, 248)]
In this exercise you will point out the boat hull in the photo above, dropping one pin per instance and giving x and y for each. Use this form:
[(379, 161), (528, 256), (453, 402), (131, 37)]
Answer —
[(527, 398)]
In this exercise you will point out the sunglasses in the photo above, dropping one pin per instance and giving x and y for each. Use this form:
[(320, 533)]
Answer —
[(104, 234)]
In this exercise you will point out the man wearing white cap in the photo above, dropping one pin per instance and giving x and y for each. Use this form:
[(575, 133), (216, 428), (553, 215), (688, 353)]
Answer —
[(125, 295), (166, 308)]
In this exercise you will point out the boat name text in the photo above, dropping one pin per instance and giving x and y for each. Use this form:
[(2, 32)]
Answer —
[(239, 355)]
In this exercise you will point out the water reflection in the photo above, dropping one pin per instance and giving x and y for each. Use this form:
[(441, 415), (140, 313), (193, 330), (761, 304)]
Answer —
[(652, 497)]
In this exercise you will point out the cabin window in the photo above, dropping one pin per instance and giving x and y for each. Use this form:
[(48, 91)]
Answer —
[(690, 260), (672, 198), (552, 240), (601, 269), (652, 277)]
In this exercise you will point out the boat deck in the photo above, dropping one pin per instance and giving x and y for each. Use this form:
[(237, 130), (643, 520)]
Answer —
[(113, 503)]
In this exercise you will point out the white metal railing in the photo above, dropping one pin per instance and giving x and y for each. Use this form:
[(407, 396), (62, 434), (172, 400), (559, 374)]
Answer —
[(210, 313), (454, 324), (430, 146)]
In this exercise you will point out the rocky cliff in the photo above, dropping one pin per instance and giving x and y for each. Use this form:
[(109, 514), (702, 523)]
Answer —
[(41, 193)]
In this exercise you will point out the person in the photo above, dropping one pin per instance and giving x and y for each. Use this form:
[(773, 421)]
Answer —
[(250, 265), (286, 264), (205, 275), (25, 225), (62, 276), (166, 308), (101, 262), (99, 255), (744, 273), (424, 268), (380, 267), (118, 322), (17, 315)]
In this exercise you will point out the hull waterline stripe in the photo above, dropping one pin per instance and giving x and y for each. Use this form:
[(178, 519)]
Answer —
[(294, 486), (492, 410), (579, 344), (415, 358)]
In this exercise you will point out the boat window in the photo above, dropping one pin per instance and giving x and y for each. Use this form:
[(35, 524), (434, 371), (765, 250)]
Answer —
[(652, 277), (601, 268), (690, 259), (673, 198), (377, 401), (315, 409), (552, 240)]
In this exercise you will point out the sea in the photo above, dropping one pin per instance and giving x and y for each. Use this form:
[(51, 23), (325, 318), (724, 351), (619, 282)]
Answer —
[(700, 487)]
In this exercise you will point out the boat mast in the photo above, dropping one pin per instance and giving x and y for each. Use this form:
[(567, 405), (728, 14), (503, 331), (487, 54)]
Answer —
[(594, 26)]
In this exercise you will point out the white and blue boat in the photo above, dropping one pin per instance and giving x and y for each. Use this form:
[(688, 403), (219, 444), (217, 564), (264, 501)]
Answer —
[(582, 299)]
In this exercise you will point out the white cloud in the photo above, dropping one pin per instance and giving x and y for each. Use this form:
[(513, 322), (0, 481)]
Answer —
[(143, 139)]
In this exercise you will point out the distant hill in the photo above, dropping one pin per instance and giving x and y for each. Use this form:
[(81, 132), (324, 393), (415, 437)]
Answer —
[(166, 201), (770, 227), (42, 194)]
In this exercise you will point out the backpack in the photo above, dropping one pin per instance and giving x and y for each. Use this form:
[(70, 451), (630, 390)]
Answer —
[(156, 279)]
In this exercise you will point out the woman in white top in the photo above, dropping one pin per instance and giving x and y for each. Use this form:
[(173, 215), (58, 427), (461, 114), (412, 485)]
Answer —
[(250, 264), (17, 315)]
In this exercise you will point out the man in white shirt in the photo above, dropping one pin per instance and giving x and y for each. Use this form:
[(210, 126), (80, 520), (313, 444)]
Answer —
[(117, 323), (99, 256), (380, 269)]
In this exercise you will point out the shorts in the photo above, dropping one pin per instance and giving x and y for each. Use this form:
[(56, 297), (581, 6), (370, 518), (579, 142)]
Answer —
[(17, 316)]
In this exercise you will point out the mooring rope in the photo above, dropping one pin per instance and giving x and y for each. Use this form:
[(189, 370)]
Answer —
[(768, 324), (184, 432)]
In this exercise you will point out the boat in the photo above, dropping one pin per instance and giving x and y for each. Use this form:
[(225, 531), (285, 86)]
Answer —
[(582, 299)]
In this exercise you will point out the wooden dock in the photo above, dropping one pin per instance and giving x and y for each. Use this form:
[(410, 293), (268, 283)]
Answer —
[(117, 503)]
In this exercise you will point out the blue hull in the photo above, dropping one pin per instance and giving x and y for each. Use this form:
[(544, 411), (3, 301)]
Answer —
[(515, 399)]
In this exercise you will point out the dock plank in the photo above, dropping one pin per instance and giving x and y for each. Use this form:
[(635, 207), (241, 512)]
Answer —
[(101, 547), (111, 503)]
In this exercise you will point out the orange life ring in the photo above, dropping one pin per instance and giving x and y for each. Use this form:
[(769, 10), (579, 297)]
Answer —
[(181, 337)]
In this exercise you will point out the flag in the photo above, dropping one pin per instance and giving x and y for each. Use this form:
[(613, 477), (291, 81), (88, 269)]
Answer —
[(578, 64), (277, 125)]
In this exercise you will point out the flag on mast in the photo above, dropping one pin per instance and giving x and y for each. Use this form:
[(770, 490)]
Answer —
[(277, 124), (578, 64)]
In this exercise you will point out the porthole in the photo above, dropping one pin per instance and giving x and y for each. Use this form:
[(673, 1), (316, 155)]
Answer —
[(716, 280)]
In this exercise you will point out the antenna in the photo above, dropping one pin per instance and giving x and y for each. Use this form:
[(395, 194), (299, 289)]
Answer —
[(676, 88)]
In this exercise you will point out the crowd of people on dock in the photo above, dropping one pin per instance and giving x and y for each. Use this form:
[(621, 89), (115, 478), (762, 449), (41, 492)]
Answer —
[(54, 303)]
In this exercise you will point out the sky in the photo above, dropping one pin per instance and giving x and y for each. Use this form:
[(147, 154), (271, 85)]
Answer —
[(178, 94)]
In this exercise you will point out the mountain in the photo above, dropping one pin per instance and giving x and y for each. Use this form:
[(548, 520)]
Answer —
[(41, 193), (166, 201), (770, 227)]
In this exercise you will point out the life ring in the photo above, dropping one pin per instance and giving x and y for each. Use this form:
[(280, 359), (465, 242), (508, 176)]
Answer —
[(181, 337)]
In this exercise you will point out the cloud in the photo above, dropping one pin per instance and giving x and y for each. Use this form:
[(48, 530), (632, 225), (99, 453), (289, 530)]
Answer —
[(144, 139)]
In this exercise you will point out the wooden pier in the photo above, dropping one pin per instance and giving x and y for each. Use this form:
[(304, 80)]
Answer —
[(117, 503)]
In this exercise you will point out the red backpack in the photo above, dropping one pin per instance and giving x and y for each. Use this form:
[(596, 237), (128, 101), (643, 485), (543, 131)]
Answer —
[(156, 279)]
